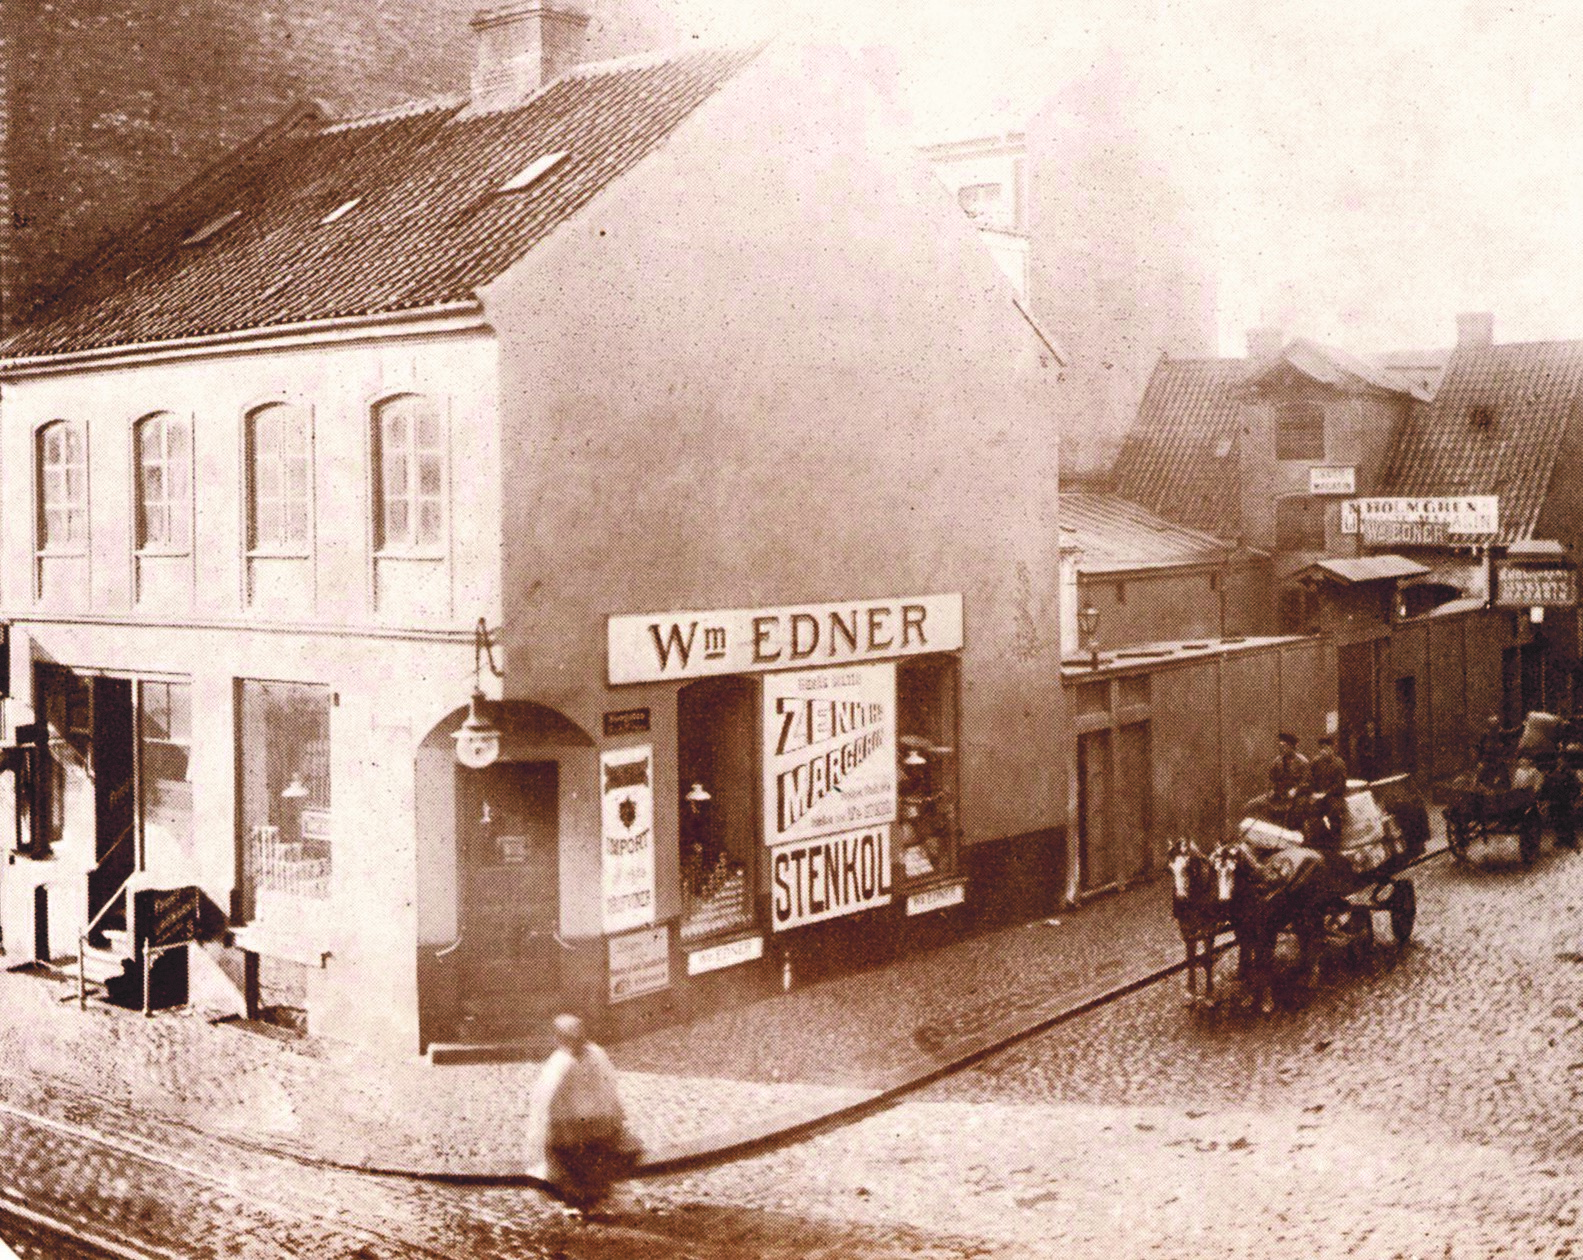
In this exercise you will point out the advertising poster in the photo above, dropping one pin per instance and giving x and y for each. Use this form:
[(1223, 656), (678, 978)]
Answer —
[(829, 752), (626, 785), (823, 878), (639, 963)]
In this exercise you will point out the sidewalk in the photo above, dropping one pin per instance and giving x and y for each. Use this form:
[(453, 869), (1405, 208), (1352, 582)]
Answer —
[(731, 1081)]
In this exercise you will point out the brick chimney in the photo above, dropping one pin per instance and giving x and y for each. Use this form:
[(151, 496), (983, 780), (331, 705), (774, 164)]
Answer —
[(1265, 344), (522, 46), (1476, 328)]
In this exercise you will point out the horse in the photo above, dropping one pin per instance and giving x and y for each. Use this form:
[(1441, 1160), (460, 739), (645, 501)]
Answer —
[(1199, 914), (1291, 889)]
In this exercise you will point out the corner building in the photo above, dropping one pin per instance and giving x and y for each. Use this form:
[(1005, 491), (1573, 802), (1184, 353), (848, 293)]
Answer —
[(669, 403)]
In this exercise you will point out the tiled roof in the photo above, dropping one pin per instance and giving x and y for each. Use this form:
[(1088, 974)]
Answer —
[(1117, 536), (1330, 366), (429, 228), (1180, 457), (1495, 427)]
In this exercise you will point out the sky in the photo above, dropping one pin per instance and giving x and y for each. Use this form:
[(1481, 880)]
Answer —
[(1360, 172)]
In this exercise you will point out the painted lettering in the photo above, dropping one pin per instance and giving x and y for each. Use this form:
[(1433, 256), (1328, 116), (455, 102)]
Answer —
[(912, 616), (877, 617), (803, 645), (783, 893), (763, 628), (845, 630), (673, 641)]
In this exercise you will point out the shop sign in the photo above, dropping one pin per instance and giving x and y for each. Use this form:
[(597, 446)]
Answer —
[(658, 647), (731, 954), (829, 751), (1536, 588), (626, 786), (1322, 480), (1468, 517), (640, 963), (626, 722), (829, 877), (1404, 533), (168, 917), (940, 898)]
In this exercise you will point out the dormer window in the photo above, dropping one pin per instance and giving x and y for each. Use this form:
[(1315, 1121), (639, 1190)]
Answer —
[(212, 228), (533, 171), (340, 212)]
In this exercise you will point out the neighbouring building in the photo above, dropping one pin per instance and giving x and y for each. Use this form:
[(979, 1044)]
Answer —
[(668, 405)]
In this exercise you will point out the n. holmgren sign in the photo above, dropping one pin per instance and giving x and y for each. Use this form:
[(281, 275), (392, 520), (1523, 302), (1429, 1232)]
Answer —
[(656, 647), (1469, 517)]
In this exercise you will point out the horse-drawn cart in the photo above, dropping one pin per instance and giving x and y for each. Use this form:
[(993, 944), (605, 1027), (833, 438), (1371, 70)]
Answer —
[(1477, 812), (1505, 794)]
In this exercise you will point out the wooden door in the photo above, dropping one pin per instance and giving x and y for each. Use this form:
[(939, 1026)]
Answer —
[(1134, 801), (1096, 853), (509, 959)]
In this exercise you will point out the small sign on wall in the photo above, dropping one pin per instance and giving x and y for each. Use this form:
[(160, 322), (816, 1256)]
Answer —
[(1332, 480), (731, 954), (640, 963)]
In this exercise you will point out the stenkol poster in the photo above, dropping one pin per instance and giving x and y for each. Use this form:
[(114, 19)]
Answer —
[(829, 751), (626, 783)]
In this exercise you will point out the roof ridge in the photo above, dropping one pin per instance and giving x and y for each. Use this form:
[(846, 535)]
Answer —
[(407, 109)]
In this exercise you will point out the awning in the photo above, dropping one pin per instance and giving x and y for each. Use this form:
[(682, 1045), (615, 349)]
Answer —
[(1359, 569)]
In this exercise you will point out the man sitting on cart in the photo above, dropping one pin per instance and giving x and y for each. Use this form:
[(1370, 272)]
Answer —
[(1494, 752), (1289, 778), (1327, 781)]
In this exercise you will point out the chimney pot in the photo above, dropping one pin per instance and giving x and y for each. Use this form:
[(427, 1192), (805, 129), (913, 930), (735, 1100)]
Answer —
[(1476, 328), (1265, 344), (519, 47)]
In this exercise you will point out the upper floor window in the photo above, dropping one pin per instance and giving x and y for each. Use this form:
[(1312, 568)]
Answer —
[(164, 483), (62, 487), (981, 201), (1299, 523), (1299, 431), (278, 459), (409, 461)]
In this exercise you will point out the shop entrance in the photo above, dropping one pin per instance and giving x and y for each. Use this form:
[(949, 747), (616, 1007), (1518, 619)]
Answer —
[(509, 957)]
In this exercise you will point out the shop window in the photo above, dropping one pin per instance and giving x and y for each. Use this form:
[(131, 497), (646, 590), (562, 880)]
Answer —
[(64, 789), (1299, 431), (163, 484), (716, 734), (164, 729), (278, 461), (409, 459), (285, 808), (62, 488), (1299, 524), (926, 743)]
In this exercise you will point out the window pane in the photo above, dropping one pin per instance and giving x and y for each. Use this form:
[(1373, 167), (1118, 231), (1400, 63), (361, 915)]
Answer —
[(429, 523), (396, 520), (429, 476)]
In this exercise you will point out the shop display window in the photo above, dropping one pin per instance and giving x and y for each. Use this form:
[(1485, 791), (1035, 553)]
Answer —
[(285, 763), (716, 737), (926, 746)]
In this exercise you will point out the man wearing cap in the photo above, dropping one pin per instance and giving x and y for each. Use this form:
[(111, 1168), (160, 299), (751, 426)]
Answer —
[(1288, 782), (1327, 780)]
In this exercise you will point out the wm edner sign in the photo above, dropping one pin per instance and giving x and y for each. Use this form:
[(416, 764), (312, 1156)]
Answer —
[(656, 647)]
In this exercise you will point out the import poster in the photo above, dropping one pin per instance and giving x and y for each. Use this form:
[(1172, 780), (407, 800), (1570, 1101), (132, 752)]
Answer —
[(829, 751), (626, 783)]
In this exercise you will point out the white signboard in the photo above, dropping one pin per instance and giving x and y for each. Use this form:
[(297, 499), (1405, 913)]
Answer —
[(1323, 480), (938, 898), (834, 875), (719, 957), (626, 788), (640, 963), (655, 647), (1470, 516), (829, 751)]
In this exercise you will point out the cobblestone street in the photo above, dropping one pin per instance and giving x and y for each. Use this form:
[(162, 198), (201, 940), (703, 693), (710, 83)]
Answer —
[(1424, 1107)]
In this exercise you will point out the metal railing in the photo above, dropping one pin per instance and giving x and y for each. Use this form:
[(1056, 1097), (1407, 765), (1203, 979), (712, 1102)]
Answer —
[(82, 937)]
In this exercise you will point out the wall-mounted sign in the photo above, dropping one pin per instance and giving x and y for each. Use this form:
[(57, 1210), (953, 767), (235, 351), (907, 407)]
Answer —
[(1333, 480), (660, 646), (626, 789), (822, 879), (936, 898), (1536, 588), (626, 722), (1467, 518), (1404, 533), (829, 751), (719, 957), (640, 963)]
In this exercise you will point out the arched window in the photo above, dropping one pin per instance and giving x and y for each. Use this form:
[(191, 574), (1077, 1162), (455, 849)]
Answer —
[(278, 460), (62, 487), (409, 461), (164, 483)]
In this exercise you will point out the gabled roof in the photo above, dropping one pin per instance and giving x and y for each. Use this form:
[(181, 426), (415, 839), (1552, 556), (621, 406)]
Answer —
[(1330, 366), (1179, 458), (1117, 536), (1495, 426), (429, 228)]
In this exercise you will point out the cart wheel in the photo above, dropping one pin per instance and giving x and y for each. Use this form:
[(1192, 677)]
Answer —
[(1403, 906), (1528, 836)]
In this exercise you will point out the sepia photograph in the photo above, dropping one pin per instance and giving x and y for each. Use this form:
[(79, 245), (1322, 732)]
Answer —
[(779, 629)]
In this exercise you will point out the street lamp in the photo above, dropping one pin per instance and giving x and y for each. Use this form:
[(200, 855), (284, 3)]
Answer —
[(478, 740), (1088, 626)]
